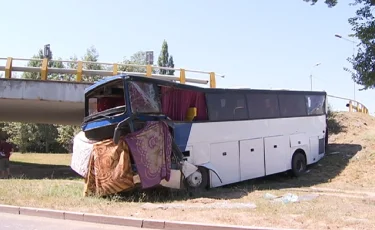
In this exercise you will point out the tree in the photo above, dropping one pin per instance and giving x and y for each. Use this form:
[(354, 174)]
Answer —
[(37, 63), (171, 65), (33, 137), (164, 60), (66, 134), (72, 65), (363, 25), (91, 56), (138, 58), (3, 130), (330, 3)]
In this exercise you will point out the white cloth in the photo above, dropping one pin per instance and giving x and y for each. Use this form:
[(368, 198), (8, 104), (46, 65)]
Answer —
[(82, 150)]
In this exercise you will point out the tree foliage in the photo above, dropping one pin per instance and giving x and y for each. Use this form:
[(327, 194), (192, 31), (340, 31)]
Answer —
[(165, 60), (363, 25), (330, 3), (139, 58)]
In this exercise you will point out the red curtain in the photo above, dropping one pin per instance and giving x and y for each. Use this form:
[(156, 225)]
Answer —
[(176, 102), (105, 103)]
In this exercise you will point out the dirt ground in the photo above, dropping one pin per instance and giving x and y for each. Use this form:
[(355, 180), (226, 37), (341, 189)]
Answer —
[(336, 193)]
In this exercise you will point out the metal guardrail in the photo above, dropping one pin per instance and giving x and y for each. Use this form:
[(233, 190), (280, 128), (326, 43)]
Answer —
[(353, 105), (44, 70)]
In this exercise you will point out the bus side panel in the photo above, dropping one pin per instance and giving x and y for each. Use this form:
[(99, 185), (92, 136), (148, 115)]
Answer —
[(276, 154), (252, 159), (226, 159), (314, 150)]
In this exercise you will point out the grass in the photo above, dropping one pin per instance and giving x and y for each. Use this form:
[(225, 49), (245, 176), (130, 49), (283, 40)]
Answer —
[(44, 159), (46, 181)]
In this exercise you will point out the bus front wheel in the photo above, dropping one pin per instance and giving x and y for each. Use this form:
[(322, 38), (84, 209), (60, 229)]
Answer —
[(298, 164), (199, 180)]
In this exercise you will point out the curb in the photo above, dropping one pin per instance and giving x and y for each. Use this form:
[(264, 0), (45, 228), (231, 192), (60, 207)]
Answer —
[(122, 221)]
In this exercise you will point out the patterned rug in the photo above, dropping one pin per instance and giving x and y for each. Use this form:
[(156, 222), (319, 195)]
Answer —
[(109, 170), (151, 148)]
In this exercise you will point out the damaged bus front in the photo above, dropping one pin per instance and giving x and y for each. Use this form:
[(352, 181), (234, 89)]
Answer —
[(127, 140)]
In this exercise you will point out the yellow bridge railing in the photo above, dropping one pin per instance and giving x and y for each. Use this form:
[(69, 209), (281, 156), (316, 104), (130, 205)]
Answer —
[(113, 69), (353, 105)]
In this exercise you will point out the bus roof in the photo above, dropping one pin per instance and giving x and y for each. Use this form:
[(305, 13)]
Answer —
[(192, 87)]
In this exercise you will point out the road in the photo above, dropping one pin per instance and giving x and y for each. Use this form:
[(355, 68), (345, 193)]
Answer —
[(20, 222)]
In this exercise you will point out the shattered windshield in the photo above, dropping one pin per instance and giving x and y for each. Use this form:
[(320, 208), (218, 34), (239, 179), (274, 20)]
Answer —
[(144, 97)]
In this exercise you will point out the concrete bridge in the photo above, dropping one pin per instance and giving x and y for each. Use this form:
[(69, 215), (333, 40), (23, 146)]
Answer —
[(49, 102)]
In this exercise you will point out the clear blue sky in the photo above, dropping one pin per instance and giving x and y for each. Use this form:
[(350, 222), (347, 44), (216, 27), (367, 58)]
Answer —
[(257, 44)]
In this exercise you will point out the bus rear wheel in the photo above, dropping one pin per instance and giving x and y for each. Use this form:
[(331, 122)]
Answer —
[(298, 164)]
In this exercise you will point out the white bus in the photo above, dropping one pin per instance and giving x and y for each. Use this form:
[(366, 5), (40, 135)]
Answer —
[(219, 136)]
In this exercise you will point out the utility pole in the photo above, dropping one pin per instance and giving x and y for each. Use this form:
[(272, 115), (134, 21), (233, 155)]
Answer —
[(311, 82)]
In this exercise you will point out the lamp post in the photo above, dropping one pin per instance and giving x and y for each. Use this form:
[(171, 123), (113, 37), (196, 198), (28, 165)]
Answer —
[(317, 64), (353, 42)]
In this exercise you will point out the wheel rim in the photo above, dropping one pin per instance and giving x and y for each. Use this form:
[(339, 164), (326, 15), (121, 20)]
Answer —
[(195, 179)]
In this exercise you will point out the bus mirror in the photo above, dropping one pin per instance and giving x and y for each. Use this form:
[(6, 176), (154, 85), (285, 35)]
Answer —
[(191, 113), (347, 105)]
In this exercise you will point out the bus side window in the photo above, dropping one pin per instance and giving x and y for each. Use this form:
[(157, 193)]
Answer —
[(262, 105), (292, 105), (239, 111), (226, 106), (315, 104)]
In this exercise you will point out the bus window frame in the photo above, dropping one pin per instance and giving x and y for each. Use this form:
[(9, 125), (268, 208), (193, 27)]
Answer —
[(289, 94), (323, 106), (209, 111), (273, 95), (157, 92), (102, 115)]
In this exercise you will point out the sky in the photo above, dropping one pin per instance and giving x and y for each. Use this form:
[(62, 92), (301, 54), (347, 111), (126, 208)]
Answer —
[(255, 44)]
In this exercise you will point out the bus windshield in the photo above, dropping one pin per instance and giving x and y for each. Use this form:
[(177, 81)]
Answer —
[(144, 97), (107, 100)]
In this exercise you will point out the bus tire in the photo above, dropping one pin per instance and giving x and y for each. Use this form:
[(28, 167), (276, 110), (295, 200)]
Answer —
[(204, 180), (298, 164), (326, 139)]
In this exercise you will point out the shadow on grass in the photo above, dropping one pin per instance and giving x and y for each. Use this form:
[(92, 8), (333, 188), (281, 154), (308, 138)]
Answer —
[(335, 161), (41, 171)]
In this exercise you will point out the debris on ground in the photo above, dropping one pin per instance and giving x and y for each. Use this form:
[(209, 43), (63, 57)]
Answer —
[(289, 198)]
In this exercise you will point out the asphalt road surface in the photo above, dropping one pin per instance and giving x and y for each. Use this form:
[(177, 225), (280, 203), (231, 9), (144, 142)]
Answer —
[(20, 222)]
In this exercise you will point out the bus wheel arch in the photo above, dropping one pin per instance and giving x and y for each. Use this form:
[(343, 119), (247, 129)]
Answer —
[(299, 162)]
